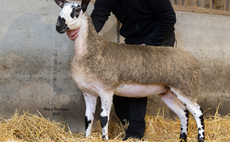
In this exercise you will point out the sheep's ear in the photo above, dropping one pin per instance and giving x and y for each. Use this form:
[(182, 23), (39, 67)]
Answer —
[(61, 2), (84, 4)]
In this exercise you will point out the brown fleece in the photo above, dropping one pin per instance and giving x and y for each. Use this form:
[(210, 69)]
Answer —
[(114, 63)]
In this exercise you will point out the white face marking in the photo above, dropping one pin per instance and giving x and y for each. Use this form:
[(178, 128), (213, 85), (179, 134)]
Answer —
[(72, 23)]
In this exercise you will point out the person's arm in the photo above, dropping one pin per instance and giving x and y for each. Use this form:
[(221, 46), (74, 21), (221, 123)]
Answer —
[(167, 19), (100, 13)]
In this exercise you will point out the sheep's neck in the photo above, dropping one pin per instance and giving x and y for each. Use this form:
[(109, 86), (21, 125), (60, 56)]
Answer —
[(81, 41), (88, 40)]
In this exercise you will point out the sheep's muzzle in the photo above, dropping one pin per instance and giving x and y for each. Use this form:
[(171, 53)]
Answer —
[(61, 27)]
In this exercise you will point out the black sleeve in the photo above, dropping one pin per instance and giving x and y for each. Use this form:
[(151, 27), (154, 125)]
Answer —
[(167, 19), (100, 13)]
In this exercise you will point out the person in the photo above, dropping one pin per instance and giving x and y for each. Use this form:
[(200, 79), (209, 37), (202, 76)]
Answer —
[(148, 22)]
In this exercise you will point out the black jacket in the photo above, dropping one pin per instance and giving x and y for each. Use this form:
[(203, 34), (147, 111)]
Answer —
[(143, 21)]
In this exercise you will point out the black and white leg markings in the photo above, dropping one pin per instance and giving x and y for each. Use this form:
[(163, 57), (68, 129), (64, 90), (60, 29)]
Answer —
[(106, 103), (175, 105), (196, 111), (201, 137), (183, 134), (90, 102), (104, 121), (87, 122), (198, 115)]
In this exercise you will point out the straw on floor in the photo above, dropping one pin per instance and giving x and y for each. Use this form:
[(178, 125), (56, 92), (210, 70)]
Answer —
[(26, 127)]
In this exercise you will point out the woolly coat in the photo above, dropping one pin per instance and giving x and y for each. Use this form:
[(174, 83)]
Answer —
[(114, 64)]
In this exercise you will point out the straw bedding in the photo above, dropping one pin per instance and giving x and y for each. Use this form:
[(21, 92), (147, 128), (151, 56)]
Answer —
[(26, 127)]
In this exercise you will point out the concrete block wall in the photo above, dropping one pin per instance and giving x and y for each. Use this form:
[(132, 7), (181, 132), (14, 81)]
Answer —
[(207, 37), (35, 61)]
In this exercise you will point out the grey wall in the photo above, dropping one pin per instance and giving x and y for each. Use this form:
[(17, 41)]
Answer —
[(207, 37), (35, 61)]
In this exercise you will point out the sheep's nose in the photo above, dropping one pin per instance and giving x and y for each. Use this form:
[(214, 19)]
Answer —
[(58, 26), (61, 26)]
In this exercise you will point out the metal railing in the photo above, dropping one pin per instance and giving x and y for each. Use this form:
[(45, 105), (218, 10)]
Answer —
[(221, 7)]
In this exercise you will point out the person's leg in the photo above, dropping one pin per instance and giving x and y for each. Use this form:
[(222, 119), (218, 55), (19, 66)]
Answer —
[(121, 106), (137, 111)]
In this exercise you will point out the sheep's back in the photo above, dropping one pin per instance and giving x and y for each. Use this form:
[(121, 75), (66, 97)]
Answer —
[(147, 65)]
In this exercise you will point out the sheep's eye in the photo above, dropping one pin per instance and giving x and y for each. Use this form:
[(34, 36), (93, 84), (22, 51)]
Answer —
[(75, 12)]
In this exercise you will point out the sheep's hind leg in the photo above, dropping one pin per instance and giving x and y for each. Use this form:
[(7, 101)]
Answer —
[(106, 104), (90, 101), (196, 111), (175, 105)]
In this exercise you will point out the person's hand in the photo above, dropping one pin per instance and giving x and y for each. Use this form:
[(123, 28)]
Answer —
[(72, 34)]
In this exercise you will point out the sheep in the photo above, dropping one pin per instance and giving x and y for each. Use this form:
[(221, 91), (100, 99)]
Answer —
[(104, 68)]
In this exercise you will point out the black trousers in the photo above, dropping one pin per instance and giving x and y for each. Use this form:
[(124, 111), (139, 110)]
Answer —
[(134, 109)]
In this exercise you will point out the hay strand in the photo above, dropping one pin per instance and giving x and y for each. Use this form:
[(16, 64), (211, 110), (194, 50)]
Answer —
[(26, 127)]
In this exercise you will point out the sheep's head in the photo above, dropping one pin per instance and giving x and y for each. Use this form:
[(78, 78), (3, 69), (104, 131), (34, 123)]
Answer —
[(70, 15)]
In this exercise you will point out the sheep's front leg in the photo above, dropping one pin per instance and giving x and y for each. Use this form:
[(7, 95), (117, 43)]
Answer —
[(106, 104), (90, 101)]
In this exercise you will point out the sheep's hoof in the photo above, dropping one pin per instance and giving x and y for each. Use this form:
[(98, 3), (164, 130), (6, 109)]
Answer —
[(183, 137), (201, 140)]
